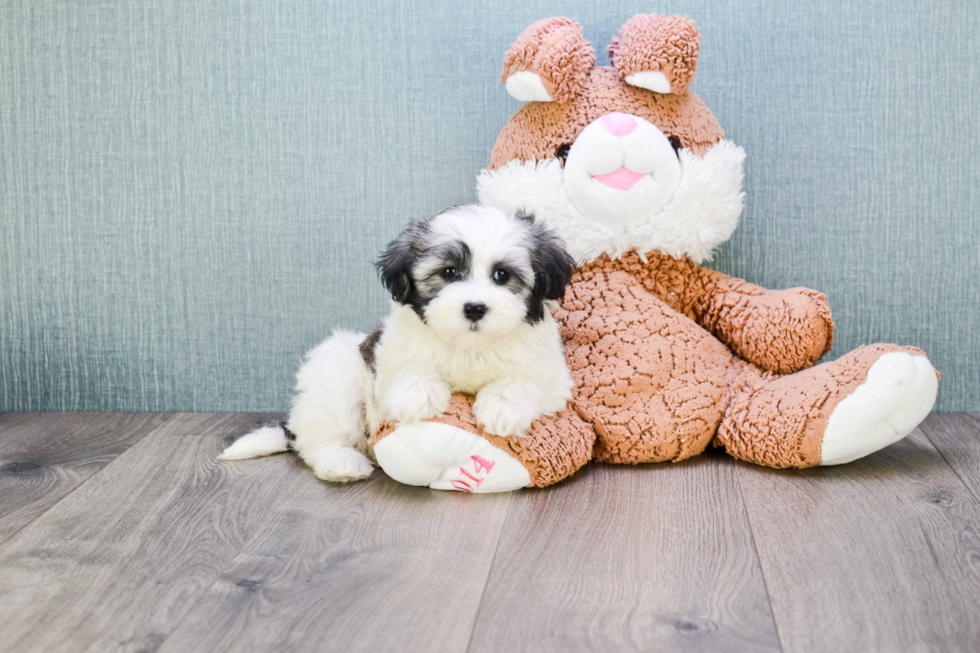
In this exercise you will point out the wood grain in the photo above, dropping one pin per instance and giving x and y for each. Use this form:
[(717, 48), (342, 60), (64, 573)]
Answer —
[(882, 554), (44, 456), (628, 559), (117, 564), (373, 566), (957, 437), (163, 548)]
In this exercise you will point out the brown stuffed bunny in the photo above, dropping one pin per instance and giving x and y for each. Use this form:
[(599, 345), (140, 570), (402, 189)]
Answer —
[(634, 172)]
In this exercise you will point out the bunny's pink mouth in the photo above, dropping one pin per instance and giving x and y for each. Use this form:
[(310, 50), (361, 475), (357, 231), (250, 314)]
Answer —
[(621, 179)]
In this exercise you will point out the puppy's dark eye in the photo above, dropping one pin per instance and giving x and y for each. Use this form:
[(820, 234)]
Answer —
[(500, 276), (675, 143), (448, 273), (562, 153)]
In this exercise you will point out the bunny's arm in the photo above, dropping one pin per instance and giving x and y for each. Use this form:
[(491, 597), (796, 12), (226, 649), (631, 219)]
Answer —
[(782, 331)]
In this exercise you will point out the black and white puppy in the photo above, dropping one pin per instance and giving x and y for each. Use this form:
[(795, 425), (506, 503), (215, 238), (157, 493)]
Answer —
[(471, 289)]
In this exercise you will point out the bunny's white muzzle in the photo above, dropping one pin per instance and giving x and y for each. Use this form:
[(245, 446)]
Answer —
[(619, 167)]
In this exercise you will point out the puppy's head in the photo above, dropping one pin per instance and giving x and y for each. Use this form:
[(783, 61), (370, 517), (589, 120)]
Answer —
[(475, 274)]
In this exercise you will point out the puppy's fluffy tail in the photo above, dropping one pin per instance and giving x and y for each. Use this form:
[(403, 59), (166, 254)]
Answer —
[(261, 442)]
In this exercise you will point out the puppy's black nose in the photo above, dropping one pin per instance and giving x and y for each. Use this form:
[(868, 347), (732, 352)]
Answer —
[(474, 311)]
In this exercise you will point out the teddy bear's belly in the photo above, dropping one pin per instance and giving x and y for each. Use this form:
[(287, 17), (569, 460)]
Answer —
[(652, 381)]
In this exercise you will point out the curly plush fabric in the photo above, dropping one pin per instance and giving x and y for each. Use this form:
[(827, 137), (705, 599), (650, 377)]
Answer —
[(780, 421), (538, 129), (651, 42), (555, 50), (551, 450), (649, 380), (783, 330)]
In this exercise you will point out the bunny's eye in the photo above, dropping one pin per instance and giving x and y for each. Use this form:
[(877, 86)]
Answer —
[(562, 152), (675, 143)]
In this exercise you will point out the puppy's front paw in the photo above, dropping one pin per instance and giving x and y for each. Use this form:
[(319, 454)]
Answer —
[(502, 413), (415, 398)]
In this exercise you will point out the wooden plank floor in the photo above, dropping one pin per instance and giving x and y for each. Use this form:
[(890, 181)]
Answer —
[(121, 532)]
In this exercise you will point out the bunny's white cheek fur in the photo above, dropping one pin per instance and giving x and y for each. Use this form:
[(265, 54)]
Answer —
[(702, 214)]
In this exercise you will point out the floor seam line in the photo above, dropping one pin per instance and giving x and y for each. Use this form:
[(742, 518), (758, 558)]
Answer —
[(11, 536), (493, 561), (758, 557), (956, 473), (244, 547)]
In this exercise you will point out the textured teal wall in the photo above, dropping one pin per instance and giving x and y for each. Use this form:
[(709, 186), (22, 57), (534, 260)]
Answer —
[(191, 192)]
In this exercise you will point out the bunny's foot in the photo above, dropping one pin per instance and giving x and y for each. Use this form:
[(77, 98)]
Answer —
[(450, 452)]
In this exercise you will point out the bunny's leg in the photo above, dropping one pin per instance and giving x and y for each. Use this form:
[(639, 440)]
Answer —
[(451, 452), (832, 413)]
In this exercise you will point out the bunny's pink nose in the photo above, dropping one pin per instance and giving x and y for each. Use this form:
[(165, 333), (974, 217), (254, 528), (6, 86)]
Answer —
[(618, 124)]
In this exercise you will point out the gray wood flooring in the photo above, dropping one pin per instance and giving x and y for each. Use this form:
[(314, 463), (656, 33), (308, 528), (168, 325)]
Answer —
[(121, 532)]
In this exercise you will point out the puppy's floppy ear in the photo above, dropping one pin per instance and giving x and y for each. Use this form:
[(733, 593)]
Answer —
[(395, 263), (553, 266)]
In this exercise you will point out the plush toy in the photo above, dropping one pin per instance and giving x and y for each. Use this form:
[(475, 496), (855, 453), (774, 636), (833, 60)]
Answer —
[(668, 357)]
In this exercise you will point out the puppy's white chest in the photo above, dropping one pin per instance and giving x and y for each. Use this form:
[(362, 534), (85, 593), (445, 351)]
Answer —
[(469, 372)]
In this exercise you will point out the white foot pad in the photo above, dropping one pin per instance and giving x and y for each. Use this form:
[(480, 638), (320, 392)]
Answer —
[(897, 395), (444, 457)]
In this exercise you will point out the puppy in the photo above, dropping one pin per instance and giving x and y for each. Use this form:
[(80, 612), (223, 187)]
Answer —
[(471, 290)]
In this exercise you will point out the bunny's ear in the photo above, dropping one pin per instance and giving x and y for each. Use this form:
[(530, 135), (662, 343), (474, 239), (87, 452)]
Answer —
[(658, 53), (548, 62)]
